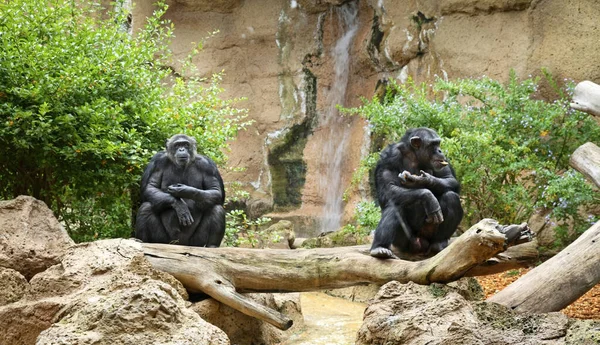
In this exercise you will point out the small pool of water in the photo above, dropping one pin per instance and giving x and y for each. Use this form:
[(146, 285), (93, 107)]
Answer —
[(328, 320)]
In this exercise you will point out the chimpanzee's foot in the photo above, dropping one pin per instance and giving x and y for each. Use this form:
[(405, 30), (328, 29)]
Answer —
[(382, 253)]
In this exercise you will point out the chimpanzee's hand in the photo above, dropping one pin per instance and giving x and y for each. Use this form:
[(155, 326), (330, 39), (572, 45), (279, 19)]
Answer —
[(408, 180), (426, 177), (183, 212), (178, 190), (432, 209)]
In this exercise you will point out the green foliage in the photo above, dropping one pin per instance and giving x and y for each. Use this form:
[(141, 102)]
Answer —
[(512, 273), (510, 150), (365, 220), (242, 230), (366, 165), (83, 106)]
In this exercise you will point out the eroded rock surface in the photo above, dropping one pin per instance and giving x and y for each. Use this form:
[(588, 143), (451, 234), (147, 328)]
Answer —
[(104, 292), (415, 314), (245, 330), (13, 286), (31, 239)]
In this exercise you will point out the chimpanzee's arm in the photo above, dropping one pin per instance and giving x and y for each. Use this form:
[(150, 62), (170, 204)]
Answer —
[(211, 193), (151, 192), (444, 182), (400, 195)]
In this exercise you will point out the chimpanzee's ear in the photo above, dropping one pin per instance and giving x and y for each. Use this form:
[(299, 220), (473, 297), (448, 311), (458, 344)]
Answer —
[(415, 142)]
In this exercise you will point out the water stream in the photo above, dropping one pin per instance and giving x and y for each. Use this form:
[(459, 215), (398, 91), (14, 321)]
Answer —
[(336, 127), (328, 320)]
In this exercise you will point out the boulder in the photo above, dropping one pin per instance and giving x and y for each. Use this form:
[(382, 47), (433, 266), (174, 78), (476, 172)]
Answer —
[(280, 235), (416, 314), (245, 330), (104, 292), (13, 286), (31, 238)]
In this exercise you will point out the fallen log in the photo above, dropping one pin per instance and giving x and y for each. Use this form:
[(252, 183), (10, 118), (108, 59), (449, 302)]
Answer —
[(559, 281), (586, 98), (586, 160), (223, 273)]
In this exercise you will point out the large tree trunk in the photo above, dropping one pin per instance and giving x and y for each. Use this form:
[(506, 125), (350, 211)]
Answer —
[(559, 281), (586, 159), (223, 273)]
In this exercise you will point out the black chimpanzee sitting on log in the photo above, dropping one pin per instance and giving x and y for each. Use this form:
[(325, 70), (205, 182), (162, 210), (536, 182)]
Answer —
[(182, 197), (418, 195)]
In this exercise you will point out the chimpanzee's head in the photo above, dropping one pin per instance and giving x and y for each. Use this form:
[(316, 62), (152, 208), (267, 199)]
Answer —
[(426, 144), (181, 149)]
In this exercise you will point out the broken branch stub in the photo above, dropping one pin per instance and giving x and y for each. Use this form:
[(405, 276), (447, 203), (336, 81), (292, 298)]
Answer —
[(586, 98), (586, 160)]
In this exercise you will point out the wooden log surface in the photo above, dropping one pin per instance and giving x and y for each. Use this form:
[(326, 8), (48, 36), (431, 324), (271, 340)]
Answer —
[(223, 273), (559, 281), (586, 98), (586, 160), (522, 255)]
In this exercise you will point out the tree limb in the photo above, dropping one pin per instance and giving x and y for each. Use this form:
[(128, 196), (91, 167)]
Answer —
[(223, 272), (586, 160), (559, 281), (586, 98)]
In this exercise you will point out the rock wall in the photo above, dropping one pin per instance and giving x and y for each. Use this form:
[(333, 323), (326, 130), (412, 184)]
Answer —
[(281, 55)]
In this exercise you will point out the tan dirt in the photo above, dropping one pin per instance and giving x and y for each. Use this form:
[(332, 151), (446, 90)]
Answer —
[(586, 307)]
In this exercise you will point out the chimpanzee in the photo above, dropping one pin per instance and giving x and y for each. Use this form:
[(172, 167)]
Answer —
[(418, 195), (182, 197)]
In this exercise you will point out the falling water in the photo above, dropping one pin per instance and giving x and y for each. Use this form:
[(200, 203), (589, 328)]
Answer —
[(337, 127)]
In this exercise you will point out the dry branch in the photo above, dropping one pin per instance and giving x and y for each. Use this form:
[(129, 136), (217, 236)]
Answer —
[(586, 98), (586, 160), (559, 281), (522, 255), (224, 272)]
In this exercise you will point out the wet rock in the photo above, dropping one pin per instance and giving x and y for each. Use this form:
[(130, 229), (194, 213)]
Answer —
[(283, 234), (218, 6), (30, 236), (245, 330), (258, 207), (415, 314), (361, 293)]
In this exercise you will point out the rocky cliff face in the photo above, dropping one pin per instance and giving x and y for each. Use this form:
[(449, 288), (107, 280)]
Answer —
[(295, 59)]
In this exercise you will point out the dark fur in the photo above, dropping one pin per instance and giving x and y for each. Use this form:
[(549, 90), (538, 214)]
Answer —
[(182, 197), (420, 211)]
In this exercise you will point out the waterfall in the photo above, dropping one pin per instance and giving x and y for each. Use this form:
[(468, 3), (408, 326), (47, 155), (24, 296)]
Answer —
[(336, 127)]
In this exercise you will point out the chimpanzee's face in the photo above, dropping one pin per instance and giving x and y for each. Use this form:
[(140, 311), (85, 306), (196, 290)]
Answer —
[(182, 152), (181, 149), (428, 151)]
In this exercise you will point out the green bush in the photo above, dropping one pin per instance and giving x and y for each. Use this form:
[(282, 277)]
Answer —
[(240, 230), (510, 150), (84, 105), (365, 220)]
